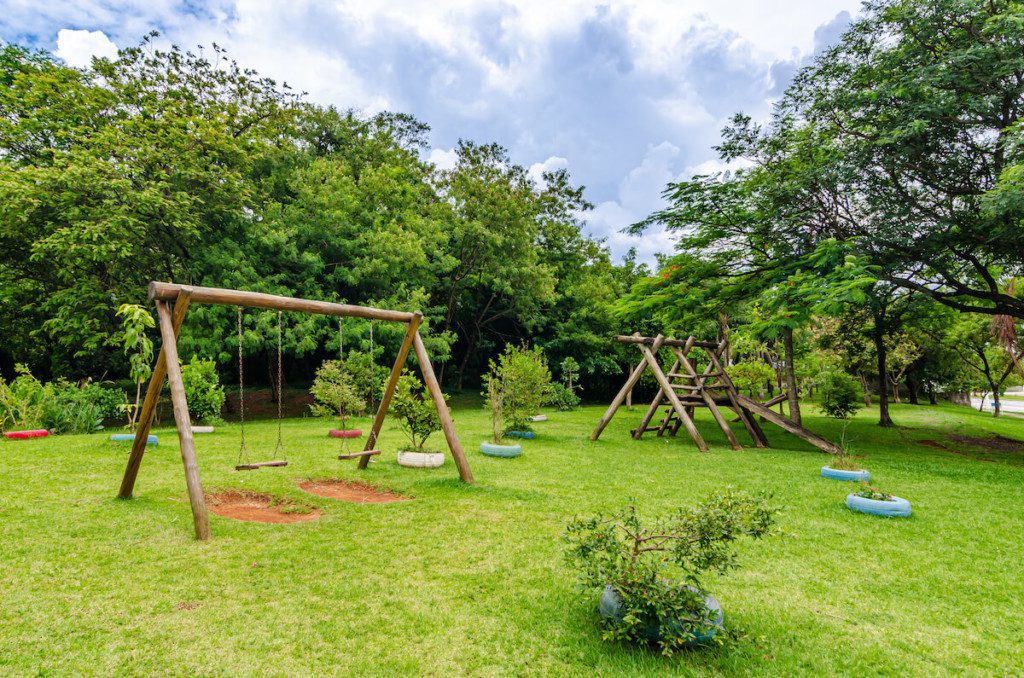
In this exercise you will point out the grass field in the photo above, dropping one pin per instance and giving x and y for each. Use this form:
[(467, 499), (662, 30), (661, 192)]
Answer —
[(470, 579)]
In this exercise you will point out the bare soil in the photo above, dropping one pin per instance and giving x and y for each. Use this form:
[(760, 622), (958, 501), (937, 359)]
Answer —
[(995, 443), (259, 508), (344, 490)]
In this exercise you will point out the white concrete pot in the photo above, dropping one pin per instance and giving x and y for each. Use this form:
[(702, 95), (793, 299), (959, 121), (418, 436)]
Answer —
[(420, 459), (202, 429), (539, 417)]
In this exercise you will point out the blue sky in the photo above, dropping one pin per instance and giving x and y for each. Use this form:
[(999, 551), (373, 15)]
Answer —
[(627, 95)]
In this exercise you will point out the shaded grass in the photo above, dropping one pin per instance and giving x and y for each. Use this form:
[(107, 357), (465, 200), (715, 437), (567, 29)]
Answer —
[(470, 580)]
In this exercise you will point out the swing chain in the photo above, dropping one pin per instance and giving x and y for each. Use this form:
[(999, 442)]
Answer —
[(372, 439), (243, 452), (341, 370), (280, 393)]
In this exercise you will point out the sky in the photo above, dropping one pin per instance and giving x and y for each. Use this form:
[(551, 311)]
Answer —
[(627, 95)]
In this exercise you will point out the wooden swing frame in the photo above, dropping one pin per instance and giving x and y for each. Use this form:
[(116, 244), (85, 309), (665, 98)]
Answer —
[(167, 366)]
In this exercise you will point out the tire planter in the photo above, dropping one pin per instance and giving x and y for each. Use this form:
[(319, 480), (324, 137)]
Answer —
[(840, 474), (25, 435), (130, 437), (524, 435), (896, 507), (611, 608), (508, 451), (420, 459), (345, 433), (539, 417), (202, 429)]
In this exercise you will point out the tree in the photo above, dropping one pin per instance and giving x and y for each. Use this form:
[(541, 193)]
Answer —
[(971, 338), (135, 320)]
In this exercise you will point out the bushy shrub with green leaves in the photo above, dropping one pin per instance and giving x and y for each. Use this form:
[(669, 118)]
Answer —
[(750, 375), (840, 399), (22, 401), (366, 377), (658, 567), (333, 392), (73, 408), (203, 391), (561, 397), (416, 413), (868, 492), (515, 387)]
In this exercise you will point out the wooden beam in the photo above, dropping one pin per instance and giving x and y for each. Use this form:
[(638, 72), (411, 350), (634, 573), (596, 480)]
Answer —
[(148, 410), (666, 387), (389, 390), (787, 424), (700, 381), (442, 410), (656, 403), (163, 291), (634, 377), (753, 428), (649, 341), (188, 451)]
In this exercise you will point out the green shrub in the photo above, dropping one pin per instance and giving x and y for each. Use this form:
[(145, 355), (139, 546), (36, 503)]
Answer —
[(22, 401), (869, 492), (366, 378), (71, 408), (653, 565), (416, 413), (333, 392), (515, 386), (840, 399), (750, 375), (561, 397), (203, 391)]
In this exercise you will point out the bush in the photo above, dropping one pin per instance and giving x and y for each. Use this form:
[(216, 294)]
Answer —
[(22, 401), (515, 386), (416, 413), (653, 565), (203, 391), (71, 408), (840, 395), (333, 392), (562, 397), (869, 492), (366, 378), (750, 375)]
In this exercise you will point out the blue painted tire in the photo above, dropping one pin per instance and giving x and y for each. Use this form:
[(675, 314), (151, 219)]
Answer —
[(129, 437), (839, 474), (896, 508), (610, 607), (507, 451), (525, 435)]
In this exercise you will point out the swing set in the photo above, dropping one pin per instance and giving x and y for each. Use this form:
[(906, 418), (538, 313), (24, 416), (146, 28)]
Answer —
[(167, 366)]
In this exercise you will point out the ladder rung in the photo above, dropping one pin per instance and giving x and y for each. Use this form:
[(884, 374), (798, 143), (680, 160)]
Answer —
[(687, 387), (713, 374), (261, 464), (677, 375), (357, 455)]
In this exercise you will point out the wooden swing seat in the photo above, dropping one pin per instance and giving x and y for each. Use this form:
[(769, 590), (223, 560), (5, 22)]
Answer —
[(359, 455), (261, 464)]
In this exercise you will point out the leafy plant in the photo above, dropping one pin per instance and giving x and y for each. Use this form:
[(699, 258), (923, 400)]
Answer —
[(869, 492), (751, 375), (515, 387), (203, 391), (22, 401), (416, 414), (135, 320), (841, 399), (561, 397), (78, 408), (366, 378), (333, 392), (657, 567)]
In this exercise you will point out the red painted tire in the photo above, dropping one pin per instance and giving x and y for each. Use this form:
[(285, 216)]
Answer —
[(23, 435), (345, 433)]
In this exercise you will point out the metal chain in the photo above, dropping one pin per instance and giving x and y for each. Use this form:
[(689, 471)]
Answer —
[(242, 451), (341, 370), (280, 393), (372, 440)]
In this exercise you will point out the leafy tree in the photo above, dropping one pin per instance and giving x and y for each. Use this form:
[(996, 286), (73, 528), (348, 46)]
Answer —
[(135, 320), (333, 392), (203, 391), (416, 413)]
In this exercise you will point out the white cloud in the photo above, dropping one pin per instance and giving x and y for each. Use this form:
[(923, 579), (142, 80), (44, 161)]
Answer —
[(537, 169), (444, 160), (77, 48)]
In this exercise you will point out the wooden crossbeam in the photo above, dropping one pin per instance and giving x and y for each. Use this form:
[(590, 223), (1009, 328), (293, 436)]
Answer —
[(666, 387)]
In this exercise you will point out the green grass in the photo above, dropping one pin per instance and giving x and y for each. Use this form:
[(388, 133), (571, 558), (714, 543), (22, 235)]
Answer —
[(470, 579)]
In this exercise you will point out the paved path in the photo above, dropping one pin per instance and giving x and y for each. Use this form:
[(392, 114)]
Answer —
[(1007, 405)]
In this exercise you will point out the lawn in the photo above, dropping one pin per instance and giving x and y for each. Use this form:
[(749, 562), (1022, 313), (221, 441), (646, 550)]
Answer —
[(470, 579)]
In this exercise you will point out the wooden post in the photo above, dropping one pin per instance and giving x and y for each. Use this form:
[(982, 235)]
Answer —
[(658, 397), (753, 428), (389, 390), (634, 377), (148, 411), (666, 387), (700, 381), (442, 410), (181, 418)]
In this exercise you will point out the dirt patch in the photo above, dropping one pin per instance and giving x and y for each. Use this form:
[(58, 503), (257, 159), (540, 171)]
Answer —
[(259, 508), (994, 443), (344, 490), (935, 444)]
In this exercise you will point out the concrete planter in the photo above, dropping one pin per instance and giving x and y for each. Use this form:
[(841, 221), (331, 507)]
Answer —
[(611, 608), (840, 474), (508, 451), (202, 429), (420, 459)]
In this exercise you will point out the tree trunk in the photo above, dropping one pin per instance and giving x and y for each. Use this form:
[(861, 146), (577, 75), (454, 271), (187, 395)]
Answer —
[(932, 400), (912, 391), (790, 374), (895, 391), (883, 389), (463, 365), (864, 388)]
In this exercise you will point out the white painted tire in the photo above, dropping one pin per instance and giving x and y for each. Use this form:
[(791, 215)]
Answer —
[(539, 417), (420, 459), (202, 429)]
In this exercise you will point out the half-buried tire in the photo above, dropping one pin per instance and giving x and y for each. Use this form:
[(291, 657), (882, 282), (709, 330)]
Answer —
[(840, 474), (345, 433), (507, 451), (896, 507)]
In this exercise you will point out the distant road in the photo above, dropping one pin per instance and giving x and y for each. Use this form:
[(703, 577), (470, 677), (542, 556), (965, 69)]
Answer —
[(1007, 405)]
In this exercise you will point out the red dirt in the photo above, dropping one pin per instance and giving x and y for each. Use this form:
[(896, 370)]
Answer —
[(933, 443), (344, 490), (259, 508)]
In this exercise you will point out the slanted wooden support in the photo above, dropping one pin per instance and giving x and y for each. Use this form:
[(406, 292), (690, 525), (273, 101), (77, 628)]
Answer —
[(700, 382), (188, 451), (788, 424), (148, 410), (430, 381), (634, 377), (396, 371), (662, 380), (749, 423)]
